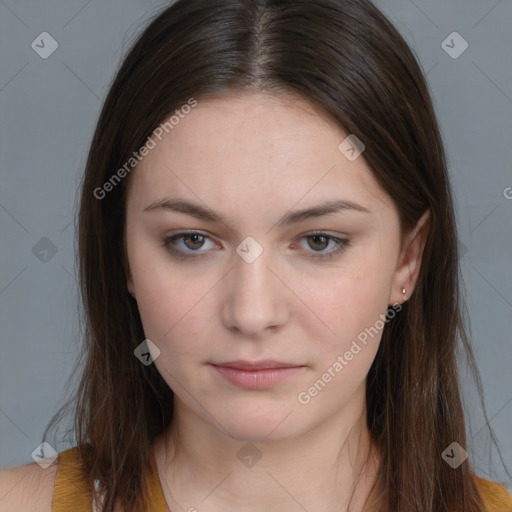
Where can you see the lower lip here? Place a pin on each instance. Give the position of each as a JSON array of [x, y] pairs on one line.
[[256, 379]]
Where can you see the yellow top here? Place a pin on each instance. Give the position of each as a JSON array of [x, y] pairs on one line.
[[72, 493]]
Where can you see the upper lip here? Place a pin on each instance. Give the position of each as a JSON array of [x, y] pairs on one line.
[[257, 365]]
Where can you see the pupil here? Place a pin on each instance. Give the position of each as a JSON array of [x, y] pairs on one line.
[[316, 237], [195, 240]]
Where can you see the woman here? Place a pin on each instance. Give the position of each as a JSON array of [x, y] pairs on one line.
[[269, 273]]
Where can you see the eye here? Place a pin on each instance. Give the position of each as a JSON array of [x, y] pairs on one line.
[[184, 245], [320, 241], [188, 243]]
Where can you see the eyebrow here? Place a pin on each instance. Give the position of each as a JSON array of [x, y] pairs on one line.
[[291, 217]]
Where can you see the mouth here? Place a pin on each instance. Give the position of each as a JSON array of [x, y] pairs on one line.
[[256, 374]]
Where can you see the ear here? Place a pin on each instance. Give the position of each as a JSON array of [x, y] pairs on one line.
[[409, 261]]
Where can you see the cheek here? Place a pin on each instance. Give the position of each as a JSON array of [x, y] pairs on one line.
[[354, 308], [353, 304], [349, 300], [171, 310], [170, 305], [167, 295]]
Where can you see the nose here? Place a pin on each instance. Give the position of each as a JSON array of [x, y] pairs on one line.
[[255, 299]]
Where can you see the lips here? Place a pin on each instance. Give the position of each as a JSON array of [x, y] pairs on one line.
[[256, 374], [257, 365]]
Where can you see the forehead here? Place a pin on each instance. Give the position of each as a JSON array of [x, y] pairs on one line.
[[253, 149]]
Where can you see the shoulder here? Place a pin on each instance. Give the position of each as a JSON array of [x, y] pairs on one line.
[[496, 498], [27, 488]]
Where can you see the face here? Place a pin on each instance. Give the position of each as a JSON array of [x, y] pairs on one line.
[[263, 316]]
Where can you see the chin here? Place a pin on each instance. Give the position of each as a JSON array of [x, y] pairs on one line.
[[250, 434], [262, 427]]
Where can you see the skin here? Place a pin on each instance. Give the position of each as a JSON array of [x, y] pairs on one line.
[[252, 158]]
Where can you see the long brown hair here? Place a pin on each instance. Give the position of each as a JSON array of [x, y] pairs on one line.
[[346, 58]]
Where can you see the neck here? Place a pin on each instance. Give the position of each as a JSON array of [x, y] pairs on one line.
[[326, 468]]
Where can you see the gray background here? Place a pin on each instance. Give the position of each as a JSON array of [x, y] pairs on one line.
[[48, 110]]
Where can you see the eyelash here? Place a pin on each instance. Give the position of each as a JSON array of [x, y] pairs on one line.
[[168, 242]]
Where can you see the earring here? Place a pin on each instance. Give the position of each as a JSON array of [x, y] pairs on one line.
[[404, 292]]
